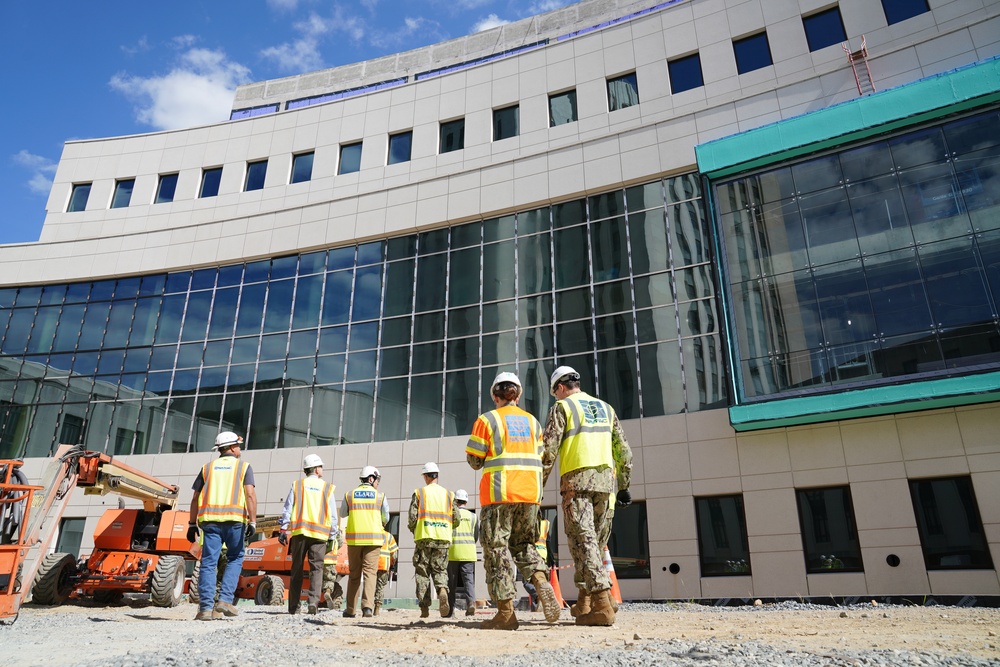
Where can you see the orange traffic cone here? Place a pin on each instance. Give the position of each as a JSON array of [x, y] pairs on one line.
[[554, 581], [616, 592]]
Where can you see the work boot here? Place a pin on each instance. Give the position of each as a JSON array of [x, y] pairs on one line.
[[349, 613], [205, 615], [313, 609], [601, 612], [293, 610], [547, 596], [425, 611], [470, 610], [378, 608], [443, 605], [504, 619], [226, 609], [366, 612], [582, 605]]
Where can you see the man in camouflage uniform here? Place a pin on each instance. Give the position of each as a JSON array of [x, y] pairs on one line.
[[584, 432], [432, 517], [333, 592], [386, 561]]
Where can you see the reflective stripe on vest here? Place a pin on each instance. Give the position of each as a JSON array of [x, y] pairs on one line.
[[434, 503], [463, 541], [312, 511], [542, 545], [364, 518], [510, 440], [586, 441], [388, 551], [223, 497]]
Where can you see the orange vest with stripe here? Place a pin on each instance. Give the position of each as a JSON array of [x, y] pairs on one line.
[[312, 508], [388, 551], [434, 515], [510, 440], [364, 517], [223, 497]]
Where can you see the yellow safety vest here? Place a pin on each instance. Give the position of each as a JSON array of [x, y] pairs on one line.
[[434, 513], [388, 551], [364, 518], [463, 543], [312, 508], [542, 545], [223, 497], [510, 440], [586, 442]]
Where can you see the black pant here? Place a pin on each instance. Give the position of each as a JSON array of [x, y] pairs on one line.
[[301, 547], [466, 572]]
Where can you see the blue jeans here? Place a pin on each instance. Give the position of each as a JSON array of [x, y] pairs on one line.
[[217, 533]]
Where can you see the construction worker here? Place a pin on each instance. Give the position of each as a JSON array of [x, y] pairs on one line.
[[225, 504], [462, 556], [542, 547], [506, 443], [367, 512], [386, 561], [585, 434], [309, 515], [432, 518], [333, 592]]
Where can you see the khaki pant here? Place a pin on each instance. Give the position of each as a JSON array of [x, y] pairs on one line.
[[363, 560]]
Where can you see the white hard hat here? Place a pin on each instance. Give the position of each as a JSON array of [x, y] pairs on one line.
[[560, 373], [506, 377], [368, 471], [429, 467], [227, 439], [312, 461], [462, 495]]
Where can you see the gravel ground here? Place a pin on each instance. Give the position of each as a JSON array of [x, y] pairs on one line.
[[681, 635]]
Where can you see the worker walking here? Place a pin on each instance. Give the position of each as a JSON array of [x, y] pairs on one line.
[[542, 547], [308, 514], [585, 434], [506, 443], [225, 504], [462, 556], [432, 518], [386, 561], [367, 512]]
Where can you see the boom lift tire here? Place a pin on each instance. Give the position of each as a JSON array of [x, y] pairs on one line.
[[167, 586], [270, 591], [53, 583], [193, 583]]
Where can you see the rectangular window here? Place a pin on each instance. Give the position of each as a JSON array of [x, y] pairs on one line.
[[78, 199], [452, 136], [350, 158], [824, 29], [123, 193], [256, 171], [623, 92], [71, 432], [722, 536], [900, 10], [210, 180], [70, 536], [302, 167], [506, 122], [685, 73], [166, 188], [562, 108], [399, 147], [752, 53], [950, 527], [829, 533], [629, 542]]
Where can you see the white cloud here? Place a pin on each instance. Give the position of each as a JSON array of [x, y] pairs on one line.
[[198, 91], [283, 5], [542, 6], [470, 4], [302, 55], [184, 41], [491, 21], [426, 28], [139, 47], [42, 171]]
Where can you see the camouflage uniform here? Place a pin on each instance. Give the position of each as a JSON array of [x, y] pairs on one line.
[[587, 500], [380, 583], [430, 557], [333, 592], [508, 532]]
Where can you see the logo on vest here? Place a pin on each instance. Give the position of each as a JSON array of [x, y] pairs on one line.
[[518, 428], [594, 412], [364, 495]]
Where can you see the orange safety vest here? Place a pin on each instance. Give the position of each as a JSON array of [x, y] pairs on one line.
[[388, 551], [223, 497], [510, 440], [312, 508], [364, 518], [434, 513]]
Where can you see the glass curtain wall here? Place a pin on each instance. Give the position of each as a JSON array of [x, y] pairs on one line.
[[388, 340]]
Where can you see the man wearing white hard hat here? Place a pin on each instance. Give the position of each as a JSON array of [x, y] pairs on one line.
[[367, 512], [462, 556], [432, 517], [506, 444], [594, 460], [309, 517]]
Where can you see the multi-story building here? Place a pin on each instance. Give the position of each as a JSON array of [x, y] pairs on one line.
[[767, 232]]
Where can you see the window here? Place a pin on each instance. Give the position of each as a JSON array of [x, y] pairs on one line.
[[506, 122], [829, 533], [629, 542], [78, 199], [256, 171], [71, 432], [70, 536], [685, 74], [452, 136], [752, 52], [562, 108], [302, 167], [350, 158], [722, 536], [900, 10], [166, 188], [950, 527], [623, 92], [399, 147], [210, 180], [824, 29], [123, 193]]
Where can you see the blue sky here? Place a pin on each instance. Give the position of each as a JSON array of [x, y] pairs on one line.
[[80, 70]]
